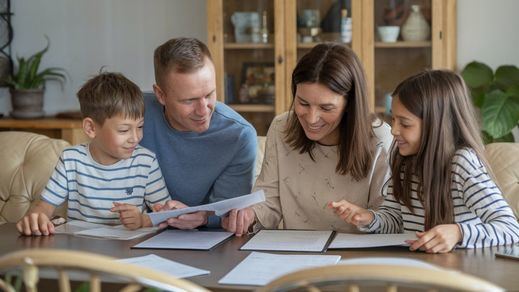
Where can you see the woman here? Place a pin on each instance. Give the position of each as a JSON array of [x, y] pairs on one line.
[[323, 150]]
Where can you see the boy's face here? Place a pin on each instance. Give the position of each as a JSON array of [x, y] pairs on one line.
[[406, 128], [189, 98], [116, 139]]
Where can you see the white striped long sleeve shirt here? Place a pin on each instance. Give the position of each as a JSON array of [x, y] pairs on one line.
[[91, 188], [480, 210]]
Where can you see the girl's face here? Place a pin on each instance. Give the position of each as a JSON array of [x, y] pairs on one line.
[[406, 128], [319, 110]]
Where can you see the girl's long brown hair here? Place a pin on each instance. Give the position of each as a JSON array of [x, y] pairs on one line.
[[441, 100], [338, 68]]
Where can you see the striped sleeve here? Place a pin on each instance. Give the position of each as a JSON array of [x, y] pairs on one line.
[[156, 191], [498, 225], [56, 190], [388, 218]]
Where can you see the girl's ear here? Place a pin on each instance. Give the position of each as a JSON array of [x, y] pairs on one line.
[[161, 97], [89, 127]]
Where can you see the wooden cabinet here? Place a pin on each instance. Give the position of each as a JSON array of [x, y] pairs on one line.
[[256, 44], [70, 130]]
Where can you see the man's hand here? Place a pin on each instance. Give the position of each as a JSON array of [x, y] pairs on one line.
[[351, 213], [131, 217], [239, 221], [35, 224], [186, 221], [439, 239]]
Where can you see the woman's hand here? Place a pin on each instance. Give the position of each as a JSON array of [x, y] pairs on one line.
[[239, 221], [439, 239], [351, 213]]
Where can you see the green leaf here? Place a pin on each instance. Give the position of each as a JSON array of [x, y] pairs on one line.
[[500, 113], [507, 76], [477, 75], [478, 96]]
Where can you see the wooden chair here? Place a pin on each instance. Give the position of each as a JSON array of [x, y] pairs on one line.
[[377, 278], [97, 267]]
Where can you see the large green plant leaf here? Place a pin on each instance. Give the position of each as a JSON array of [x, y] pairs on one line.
[[500, 112], [477, 75], [506, 77]]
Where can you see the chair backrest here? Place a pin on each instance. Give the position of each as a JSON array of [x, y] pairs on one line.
[[133, 277], [28, 160], [504, 161], [375, 277]]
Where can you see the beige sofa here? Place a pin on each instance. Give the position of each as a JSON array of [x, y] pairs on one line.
[[28, 160]]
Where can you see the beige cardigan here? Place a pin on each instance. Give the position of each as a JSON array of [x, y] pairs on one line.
[[298, 189]]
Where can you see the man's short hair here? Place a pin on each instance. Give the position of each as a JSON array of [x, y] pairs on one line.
[[109, 94], [184, 55]]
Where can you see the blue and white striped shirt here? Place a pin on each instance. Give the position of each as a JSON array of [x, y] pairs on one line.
[[91, 188], [480, 210]]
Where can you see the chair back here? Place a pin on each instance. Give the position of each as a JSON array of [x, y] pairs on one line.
[[66, 263], [378, 278]]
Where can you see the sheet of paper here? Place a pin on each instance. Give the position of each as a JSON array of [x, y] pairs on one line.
[[75, 226], [166, 266], [288, 240], [260, 268], [219, 208], [185, 239], [116, 232], [347, 240], [405, 262]]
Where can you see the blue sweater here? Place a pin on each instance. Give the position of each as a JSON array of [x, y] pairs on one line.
[[202, 167]]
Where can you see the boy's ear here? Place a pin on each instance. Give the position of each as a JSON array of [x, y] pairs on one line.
[[161, 97], [89, 127]]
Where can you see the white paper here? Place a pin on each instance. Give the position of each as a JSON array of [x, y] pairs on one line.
[[219, 208], [404, 262], [119, 232], [260, 268], [185, 239], [288, 240], [347, 240], [164, 265], [75, 226]]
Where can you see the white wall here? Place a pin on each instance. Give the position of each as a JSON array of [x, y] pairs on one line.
[[88, 34]]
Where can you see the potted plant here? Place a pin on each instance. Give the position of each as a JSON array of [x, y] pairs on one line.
[[27, 84], [496, 94]]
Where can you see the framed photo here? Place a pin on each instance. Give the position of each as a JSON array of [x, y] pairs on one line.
[[257, 82]]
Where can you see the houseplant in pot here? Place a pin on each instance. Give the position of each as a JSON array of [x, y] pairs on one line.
[[496, 94], [27, 84]]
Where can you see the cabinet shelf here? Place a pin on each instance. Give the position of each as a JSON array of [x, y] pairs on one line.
[[247, 46], [253, 108], [404, 44]]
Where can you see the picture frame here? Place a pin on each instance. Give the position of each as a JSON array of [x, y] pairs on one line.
[[257, 84]]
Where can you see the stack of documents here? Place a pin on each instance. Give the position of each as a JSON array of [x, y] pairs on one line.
[[289, 240], [185, 239], [119, 232], [260, 268], [164, 265], [347, 240]]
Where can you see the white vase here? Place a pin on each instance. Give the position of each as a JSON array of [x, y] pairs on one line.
[[416, 27]]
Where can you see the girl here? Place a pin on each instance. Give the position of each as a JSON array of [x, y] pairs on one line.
[[444, 191]]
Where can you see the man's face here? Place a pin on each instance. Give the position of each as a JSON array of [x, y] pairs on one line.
[[189, 98]]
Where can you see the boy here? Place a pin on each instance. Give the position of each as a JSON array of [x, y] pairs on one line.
[[111, 179]]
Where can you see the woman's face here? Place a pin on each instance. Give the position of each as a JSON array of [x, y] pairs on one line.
[[319, 111]]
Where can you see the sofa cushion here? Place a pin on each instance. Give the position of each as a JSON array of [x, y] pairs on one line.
[[504, 161], [28, 160]]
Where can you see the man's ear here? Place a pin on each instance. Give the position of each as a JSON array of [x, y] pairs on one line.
[[161, 97], [89, 127]]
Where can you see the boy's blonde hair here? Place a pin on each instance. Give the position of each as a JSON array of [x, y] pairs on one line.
[[109, 94]]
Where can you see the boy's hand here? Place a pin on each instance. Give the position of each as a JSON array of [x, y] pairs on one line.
[[239, 221], [131, 217], [35, 224], [439, 239], [351, 213], [186, 221]]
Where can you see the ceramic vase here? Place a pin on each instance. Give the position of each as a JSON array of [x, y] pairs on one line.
[[416, 27]]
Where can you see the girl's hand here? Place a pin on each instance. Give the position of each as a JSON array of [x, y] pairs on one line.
[[439, 239], [351, 213], [130, 216]]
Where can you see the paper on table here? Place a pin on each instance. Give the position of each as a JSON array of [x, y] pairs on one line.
[[288, 240], [389, 261], [75, 226], [347, 240], [116, 232], [260, 268], [220, 208], [185, 239], [164, 265]]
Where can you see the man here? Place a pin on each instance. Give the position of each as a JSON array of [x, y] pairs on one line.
[[205, 149]]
